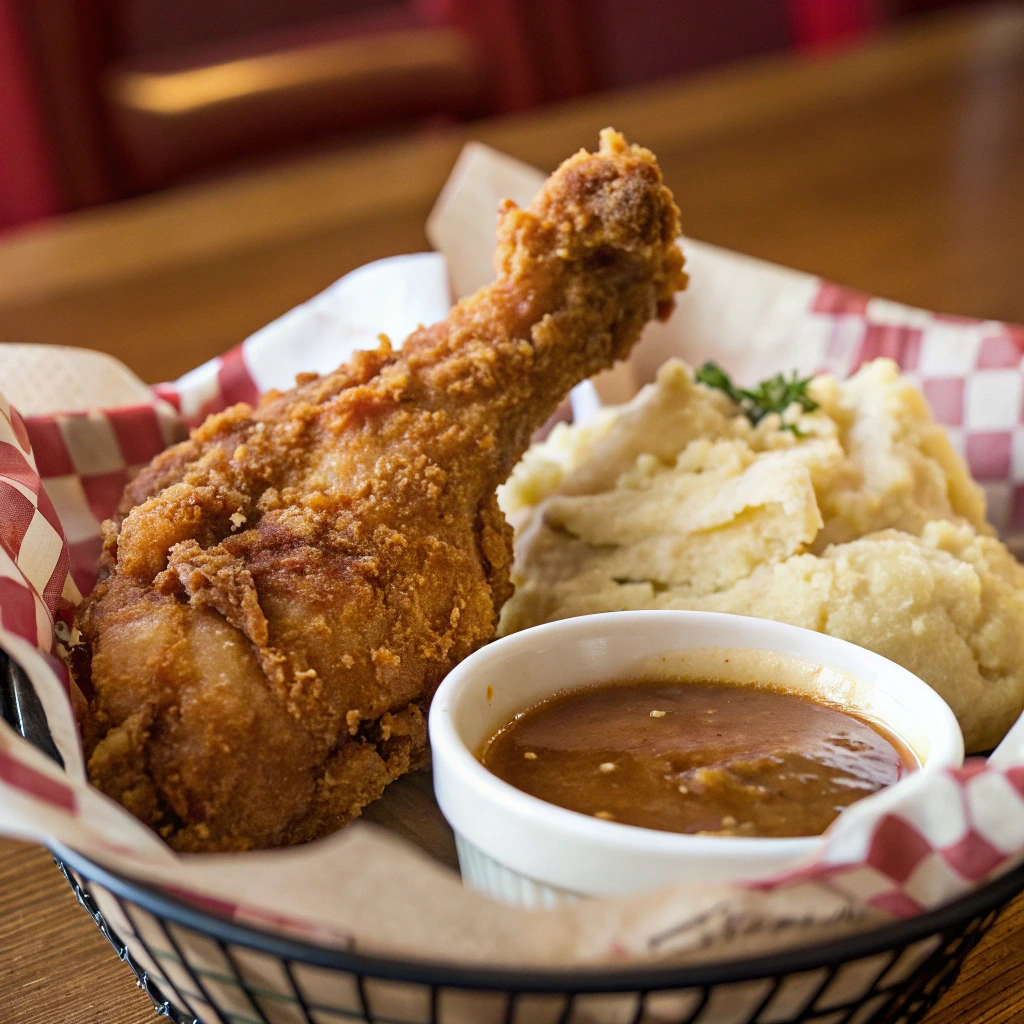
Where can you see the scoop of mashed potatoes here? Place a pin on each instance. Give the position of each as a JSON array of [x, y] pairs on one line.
[[862, 522]]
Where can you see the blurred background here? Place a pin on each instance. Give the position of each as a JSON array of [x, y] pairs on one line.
[[105, 99], [174, 174]]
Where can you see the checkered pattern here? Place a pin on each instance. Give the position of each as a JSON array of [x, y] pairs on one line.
[[932, 842], [35, 585], [969, 370], [213, 387], [85, 460], [911, 848]]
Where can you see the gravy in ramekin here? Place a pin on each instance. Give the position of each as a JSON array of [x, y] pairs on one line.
[[698, 756]]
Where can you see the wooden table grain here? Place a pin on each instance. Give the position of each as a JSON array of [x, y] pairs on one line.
[[897, 168]]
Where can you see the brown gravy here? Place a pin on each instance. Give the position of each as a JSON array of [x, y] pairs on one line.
[[697, 756]]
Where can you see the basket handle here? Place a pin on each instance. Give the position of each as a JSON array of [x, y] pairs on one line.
[[21, 708]]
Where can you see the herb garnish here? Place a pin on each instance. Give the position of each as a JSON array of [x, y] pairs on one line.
[[776, 394]]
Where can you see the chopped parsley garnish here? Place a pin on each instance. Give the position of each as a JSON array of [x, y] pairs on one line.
[[776, 394]]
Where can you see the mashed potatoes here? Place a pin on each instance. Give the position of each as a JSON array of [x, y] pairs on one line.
[[863, 524]]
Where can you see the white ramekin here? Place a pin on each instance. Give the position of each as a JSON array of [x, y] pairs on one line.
[[527, 851]]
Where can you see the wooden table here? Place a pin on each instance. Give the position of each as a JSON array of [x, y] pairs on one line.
[[897, 168]]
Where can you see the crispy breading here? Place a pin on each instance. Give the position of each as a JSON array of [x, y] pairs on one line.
[[283, 592]]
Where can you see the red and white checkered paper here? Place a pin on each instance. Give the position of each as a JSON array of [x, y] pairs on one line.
[[912, 847]]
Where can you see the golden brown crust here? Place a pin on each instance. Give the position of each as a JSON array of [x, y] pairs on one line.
[[284, 591]]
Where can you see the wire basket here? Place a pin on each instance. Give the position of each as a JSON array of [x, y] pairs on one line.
[[199, 968]]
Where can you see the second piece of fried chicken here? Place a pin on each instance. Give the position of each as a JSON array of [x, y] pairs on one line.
[[284, 591]]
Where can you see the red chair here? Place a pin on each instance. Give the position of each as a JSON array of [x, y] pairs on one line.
[[822, 24], [28, 186]]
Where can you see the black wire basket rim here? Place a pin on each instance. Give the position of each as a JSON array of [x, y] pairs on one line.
[[604, 978]]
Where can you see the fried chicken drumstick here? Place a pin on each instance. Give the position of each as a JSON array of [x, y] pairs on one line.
[[282, 593]]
